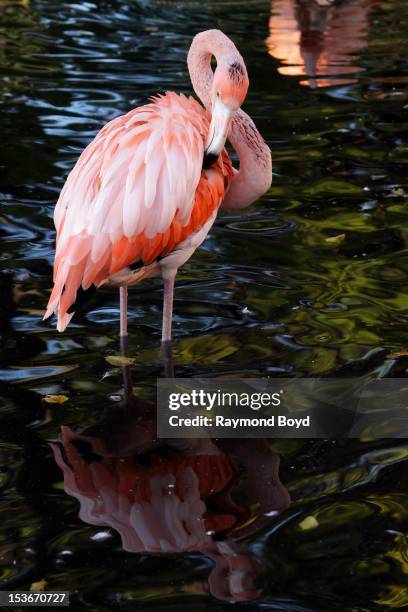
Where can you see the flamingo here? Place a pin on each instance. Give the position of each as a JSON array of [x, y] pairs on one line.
[[145, 192]]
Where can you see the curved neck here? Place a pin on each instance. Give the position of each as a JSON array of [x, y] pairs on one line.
[[254, 176], [212, 43]]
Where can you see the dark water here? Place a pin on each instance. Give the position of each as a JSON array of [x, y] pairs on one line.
[[267, 294]]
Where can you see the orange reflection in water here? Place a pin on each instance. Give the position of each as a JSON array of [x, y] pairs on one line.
[[319, 39], [170, 500]]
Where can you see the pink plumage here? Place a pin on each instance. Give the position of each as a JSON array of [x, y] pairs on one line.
[[139, 192], [131, 195]]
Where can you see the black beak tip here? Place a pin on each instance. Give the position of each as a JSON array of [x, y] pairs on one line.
[[209, 159]]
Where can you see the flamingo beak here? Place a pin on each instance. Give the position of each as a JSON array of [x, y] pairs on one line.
[[219, 128]]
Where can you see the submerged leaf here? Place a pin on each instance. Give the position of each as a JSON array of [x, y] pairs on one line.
[[310, 522], [120, 360], [335, 239], [55, 399], [39, 586], [397, 354]]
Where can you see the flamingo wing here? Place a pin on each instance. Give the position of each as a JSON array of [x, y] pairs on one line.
[[136, 191]]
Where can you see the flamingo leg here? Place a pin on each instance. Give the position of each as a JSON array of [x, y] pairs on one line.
[[123, 299], [168, 308], [168, 362], [127, 381]]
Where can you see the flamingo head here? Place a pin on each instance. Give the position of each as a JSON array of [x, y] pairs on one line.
[[229, 89]]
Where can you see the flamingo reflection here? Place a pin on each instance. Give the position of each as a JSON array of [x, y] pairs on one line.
[[319, 39], [174, 496]]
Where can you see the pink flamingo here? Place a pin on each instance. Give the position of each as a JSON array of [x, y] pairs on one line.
[[145, 192]]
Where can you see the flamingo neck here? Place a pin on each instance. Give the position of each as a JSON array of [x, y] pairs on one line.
[[208, 44], [254, 176]]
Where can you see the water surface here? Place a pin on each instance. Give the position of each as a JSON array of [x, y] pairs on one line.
[[310, 281]]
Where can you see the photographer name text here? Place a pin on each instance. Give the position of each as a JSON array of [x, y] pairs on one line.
[[234, 423]]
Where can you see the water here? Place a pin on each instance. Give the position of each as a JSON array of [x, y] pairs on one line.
[[267, 294]]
